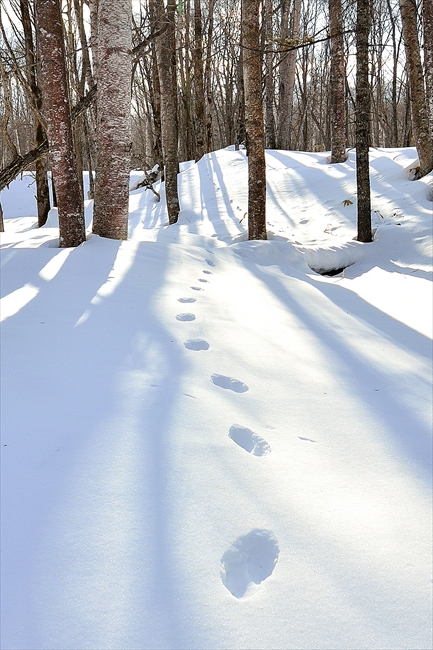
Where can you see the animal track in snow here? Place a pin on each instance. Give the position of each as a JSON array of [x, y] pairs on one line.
[[306, 439], [248, 562], [185, 317], [187, 299], [210, 263], [228, 382], [196, 344], [207, 272], [197, 288], [248, 440], [203, 280]]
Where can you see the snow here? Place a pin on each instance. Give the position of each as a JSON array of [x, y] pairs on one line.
[[207, 444]]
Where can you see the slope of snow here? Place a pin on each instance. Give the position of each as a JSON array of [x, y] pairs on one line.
[[206, 444]]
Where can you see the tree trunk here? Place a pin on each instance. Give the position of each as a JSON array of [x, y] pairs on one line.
[[42, 188], [254, 119], [427, 16], [337, 83], [420, 122], [168, 114], [208, 80], [269, 77], [363, 24], [113, 130], [59, 125], [198, 82], [287, 72]]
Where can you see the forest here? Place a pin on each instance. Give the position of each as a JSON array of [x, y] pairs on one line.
[[178, 80], [216, 320]]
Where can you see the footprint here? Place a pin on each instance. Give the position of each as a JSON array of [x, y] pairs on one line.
[[228, 382], [185, 317], [202, 280], [249, 440], [210, 263], [248, 562], [196, 344], [207, 272], [187, 299], [197, 288], [306, 439]]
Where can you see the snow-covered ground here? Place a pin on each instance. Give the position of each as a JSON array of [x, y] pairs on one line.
[[205, 443]]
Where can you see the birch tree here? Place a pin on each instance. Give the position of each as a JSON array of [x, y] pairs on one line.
[[113, 128]]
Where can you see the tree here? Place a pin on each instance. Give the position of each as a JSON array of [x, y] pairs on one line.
[[427, 15], [57, 114], [287, 70], [363, 25], [269, 76], [113, 129], [337, 83], [420, 121], [198, 81], [42, 189], [254, 119], [165, 47]]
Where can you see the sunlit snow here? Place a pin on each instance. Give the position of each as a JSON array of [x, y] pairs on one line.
[[206, 443]]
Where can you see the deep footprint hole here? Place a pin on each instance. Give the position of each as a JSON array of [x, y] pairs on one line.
[[249, 561]]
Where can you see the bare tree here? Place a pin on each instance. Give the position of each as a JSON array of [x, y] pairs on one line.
[[337, 83], [110, 217], [427, 15], [254, 119], [423, 140], [59, 125], [269, 76], [167, 80], [363, 25]]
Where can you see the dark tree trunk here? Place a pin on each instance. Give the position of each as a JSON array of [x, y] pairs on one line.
[[427, 16], [363, 24], [42, 188], [269, 77], [59, 125], [209, 98], [113, 131], [420, 121], [198, 82], [168, 112], [337, 83], [254, 119]]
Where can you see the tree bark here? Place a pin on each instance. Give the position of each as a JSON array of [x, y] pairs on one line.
[[337, 83], [287, 72], [269, 77], [427, 16], [254, 119], [198, 82], [59, 125], [420, 122], [113, 126], [363, 25], [42, 188], [168, 114]]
